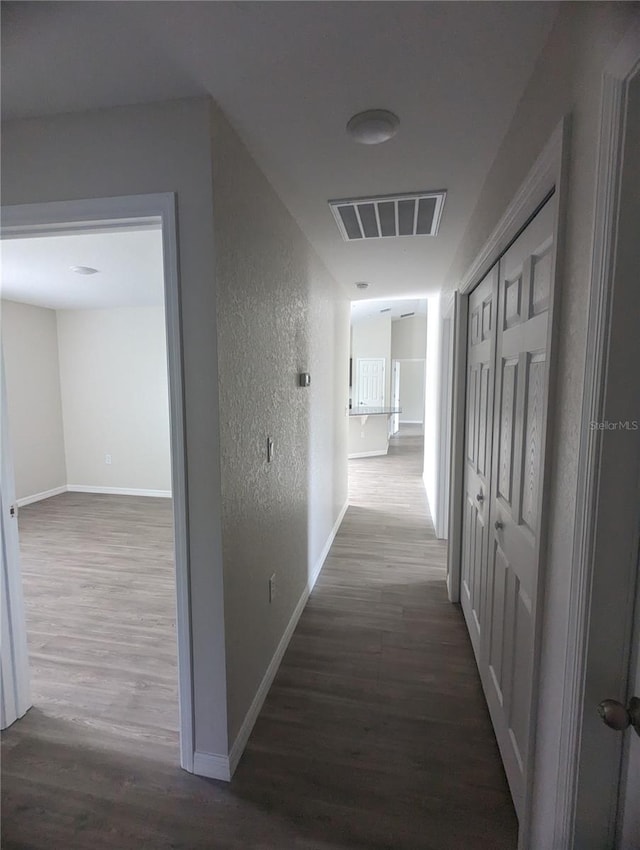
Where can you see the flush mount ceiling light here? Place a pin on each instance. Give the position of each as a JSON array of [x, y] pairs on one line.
[[84, 270], [362, 284], [373, 126]]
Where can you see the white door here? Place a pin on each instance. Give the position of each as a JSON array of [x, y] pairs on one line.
[[520, 408], [370, 382], [14, 659], [481, 342], [394, 421], [629, 805], [605, 818], [506, 405]]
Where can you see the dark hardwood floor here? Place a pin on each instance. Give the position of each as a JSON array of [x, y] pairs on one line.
[[374, 734]]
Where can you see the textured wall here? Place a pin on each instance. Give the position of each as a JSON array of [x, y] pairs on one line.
[[161, 147], [30, 350], [279, 312], [567, 79], [115, 398]]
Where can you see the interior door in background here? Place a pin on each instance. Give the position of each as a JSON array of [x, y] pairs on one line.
[[370, 382], [481, 343], [394, 421], [520, 412], [15, 698]]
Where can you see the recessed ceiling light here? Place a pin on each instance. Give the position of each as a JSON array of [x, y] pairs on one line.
[[84, 270], [362, 284], [373, 126]]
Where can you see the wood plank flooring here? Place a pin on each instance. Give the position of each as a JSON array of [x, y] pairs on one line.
[[374, 735], [99, 588]]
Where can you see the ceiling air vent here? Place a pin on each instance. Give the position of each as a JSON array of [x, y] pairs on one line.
[[415, 214]]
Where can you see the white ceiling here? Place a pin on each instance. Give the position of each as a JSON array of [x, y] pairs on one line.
[[365, 309], [37, 270], [289, 76]]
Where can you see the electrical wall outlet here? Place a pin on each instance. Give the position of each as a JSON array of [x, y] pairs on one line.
[[107, 460], [272, 588]]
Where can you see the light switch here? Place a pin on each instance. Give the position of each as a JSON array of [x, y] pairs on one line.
[[269, 449]]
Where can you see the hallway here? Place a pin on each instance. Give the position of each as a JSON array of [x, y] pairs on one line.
[[374, 735], [375, 732]]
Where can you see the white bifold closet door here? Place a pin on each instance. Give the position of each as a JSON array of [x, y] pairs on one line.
[[507, 392], [481, 356]]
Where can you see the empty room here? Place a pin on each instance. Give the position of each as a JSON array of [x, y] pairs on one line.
[[84, 353]]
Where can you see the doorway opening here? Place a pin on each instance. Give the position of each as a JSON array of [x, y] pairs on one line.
[[93, 490], [387, 374]]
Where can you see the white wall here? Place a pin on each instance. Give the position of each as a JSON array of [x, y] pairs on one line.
[[412, 389], [30, 350], [161, 147], [432, 404], [370, 437], [567, 80], [280, 312], [371, 337], [113, 378], [409, 338]]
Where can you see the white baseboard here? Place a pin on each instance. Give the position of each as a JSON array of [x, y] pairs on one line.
[[327, 547], [254, 709], [118, 491], [38, 497], [377, 453], [211, 766]]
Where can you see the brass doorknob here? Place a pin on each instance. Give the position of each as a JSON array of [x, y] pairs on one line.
[[616, 716]]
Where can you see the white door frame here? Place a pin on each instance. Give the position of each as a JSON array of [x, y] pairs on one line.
[[394, 420], [549, 174], [445, 423], [15, 697], [58, 216], [586, 780]]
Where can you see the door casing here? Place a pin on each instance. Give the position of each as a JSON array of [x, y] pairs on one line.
[[602, 578], [58, 216], [548, 175]]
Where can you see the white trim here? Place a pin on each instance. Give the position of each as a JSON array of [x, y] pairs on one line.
[[535, 188], [621, 68], [267, 680], [547, 174], [117, 491], [447, 318], [34, 219], [38, 497], [377, 453], [322, 557], [211, 766], [458, 400], [15, 691], [412, 421]]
